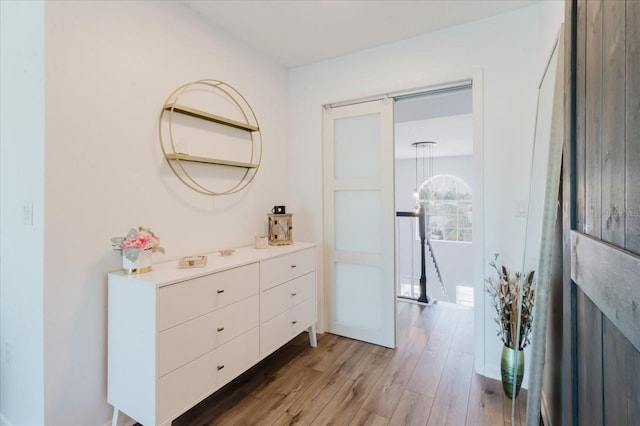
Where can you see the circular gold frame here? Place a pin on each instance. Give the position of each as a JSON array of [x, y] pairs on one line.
[[247, 113]]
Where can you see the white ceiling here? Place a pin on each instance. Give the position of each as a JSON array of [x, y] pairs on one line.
[[300, 32], [453, 136]]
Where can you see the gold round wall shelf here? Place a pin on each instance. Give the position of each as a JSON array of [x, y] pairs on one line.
[[239, 136]]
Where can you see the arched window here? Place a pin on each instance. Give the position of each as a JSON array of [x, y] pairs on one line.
[[448, 205]]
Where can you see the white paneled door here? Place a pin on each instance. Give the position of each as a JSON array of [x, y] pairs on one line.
[[359, 221]]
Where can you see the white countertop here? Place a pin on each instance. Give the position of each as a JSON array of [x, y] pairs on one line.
[[166, 273]]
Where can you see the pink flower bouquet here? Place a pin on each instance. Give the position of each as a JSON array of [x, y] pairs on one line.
[[137, 240]]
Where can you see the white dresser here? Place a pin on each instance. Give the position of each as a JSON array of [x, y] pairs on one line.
[[177, 335]]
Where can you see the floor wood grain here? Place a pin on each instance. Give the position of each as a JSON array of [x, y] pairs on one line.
[[427, 380]]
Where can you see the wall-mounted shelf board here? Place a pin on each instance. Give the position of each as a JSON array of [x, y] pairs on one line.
[[206, 160], [193, 112], [180, 163]]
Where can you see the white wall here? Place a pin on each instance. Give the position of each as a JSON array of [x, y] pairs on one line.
[[21, 181], [455, 261], [109, 68], [508, 50]]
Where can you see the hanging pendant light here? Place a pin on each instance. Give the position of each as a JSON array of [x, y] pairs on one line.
[[424, 152]]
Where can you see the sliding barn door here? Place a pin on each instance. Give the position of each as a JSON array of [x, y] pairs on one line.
[[359, 221], [602, 225]]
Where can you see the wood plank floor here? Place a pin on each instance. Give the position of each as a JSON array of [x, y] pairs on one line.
[[427, 380]]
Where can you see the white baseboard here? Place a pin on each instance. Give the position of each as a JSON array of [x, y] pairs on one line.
[[493, 372], [124, 419], [127, 422]]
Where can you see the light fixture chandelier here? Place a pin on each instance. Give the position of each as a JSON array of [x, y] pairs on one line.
[[424, 152]]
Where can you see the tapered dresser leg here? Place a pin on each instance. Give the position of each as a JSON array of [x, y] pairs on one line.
[[116, 414], [312, 336]]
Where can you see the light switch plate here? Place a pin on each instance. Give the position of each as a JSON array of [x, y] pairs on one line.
[[27, 213], [521, 208]]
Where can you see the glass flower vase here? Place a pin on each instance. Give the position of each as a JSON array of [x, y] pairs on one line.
[[512, 370], [140, 265]]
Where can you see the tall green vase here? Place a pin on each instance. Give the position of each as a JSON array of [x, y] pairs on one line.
[[512, 370]]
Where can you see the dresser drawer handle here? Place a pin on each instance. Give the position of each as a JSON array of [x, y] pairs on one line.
[[294, 266], [293, 294], [220, 367], [220, 291], [220, 328], [294, 322]]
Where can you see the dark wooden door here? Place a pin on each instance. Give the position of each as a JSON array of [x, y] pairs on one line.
[[601, 212]]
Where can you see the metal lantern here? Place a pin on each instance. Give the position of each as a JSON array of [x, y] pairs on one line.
[[280, 229]]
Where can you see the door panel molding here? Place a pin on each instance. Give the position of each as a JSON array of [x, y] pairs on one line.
[[359, 281], [609, 276]]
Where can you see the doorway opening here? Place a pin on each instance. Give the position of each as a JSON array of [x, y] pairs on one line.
[[434, 178], [360, 159]]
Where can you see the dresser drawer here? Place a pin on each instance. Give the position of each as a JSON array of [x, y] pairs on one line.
[[184, 387], [180, 389], [285, 296], [237, 356], [287, 267], [191, 334], [190, 299], [187, 341], [287, 325]]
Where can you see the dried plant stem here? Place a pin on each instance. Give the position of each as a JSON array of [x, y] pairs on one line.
[[505, 292]]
